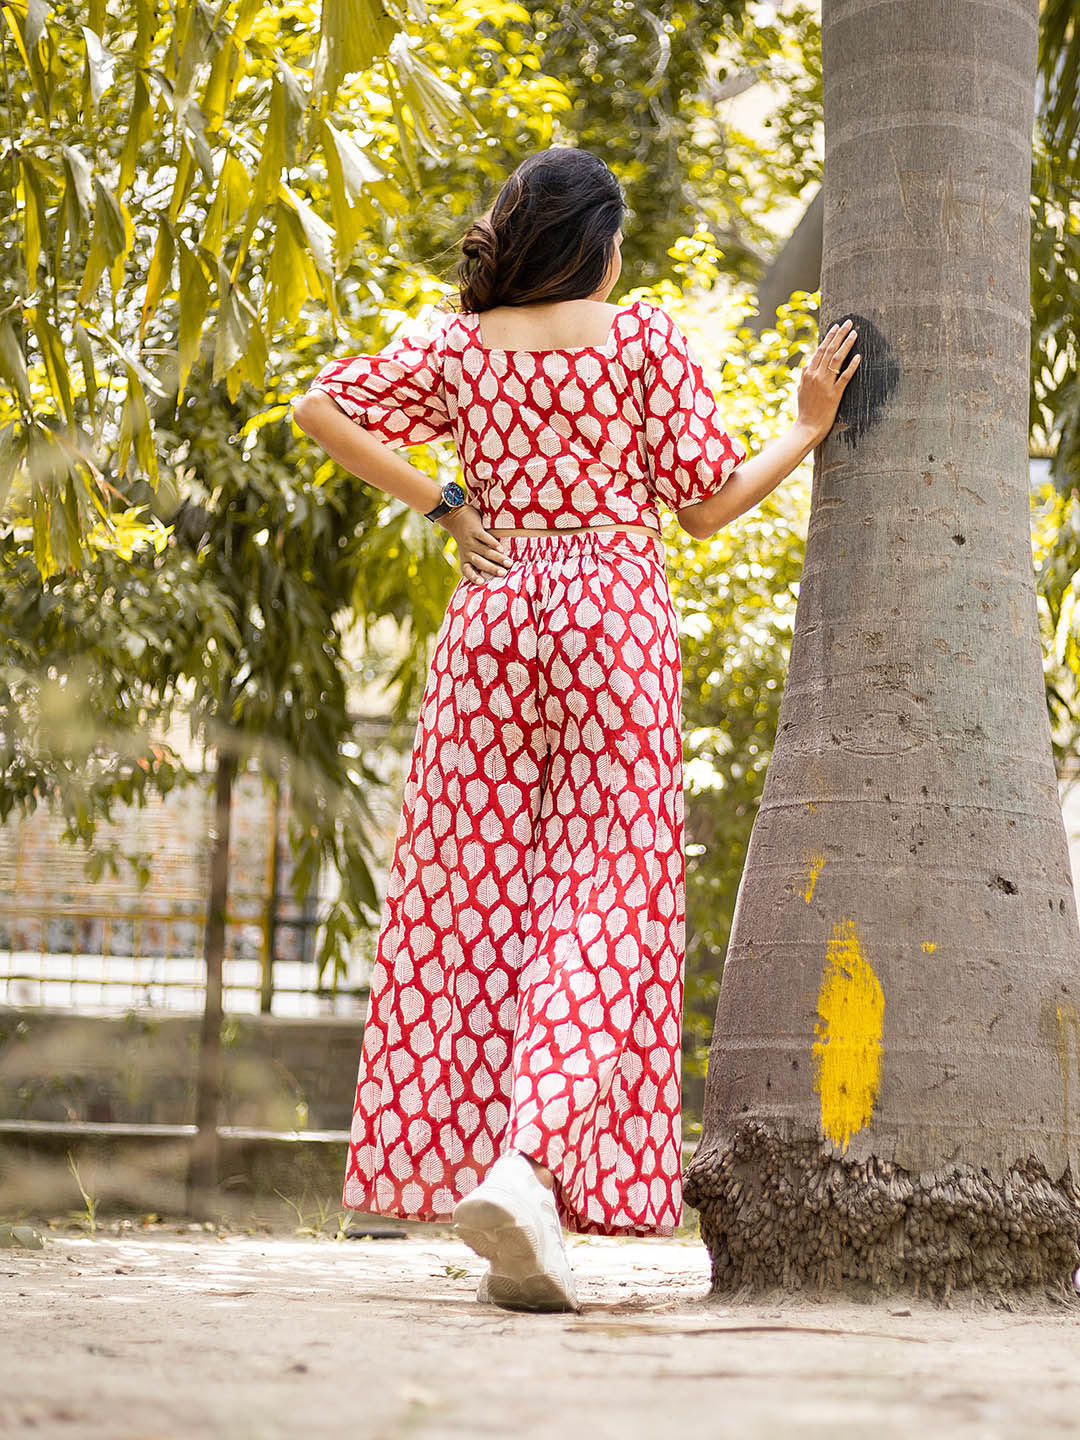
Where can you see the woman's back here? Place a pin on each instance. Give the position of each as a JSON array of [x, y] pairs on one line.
[[558, 325], [551, 436]]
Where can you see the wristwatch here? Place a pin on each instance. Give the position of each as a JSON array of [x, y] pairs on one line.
[[453, 497]]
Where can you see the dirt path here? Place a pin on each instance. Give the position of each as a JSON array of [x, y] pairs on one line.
[[180, 1335]]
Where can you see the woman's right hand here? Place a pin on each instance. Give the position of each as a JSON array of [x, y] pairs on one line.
[[480, 553], [824, 379]]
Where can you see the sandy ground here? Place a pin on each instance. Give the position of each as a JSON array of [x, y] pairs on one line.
[[181, 1333]]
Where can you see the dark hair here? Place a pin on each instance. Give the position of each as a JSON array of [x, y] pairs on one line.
[[549, 235]]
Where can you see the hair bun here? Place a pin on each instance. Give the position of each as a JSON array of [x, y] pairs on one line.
[[480, 247], [480, 239]]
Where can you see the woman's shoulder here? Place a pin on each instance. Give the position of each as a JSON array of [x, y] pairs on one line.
[[655, 315], [658, 329]]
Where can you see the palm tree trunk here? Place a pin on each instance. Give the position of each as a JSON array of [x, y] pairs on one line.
[[893, 1089]]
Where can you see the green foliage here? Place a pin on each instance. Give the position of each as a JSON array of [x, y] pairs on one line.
[[275, 552], [1055, 275], [648, 86], [1055, 306], [169, 172], [736, 594], [1056, 537], [79, 701], [236, 622]]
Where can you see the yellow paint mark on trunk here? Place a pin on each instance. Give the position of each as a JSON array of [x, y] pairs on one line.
[[847, 1052], [929, 946], [815, 864]]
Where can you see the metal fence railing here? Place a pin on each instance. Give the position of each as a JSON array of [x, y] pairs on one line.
[[111, 943]]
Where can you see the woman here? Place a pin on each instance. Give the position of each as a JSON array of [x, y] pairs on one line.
[[520, 1065]]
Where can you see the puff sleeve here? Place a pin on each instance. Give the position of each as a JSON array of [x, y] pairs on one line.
[[397, 393], [690, 453]]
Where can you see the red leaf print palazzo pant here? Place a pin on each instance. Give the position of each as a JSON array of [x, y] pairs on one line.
[[528, 984]]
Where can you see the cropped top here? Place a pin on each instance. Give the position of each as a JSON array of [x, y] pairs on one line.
[[550, 439]]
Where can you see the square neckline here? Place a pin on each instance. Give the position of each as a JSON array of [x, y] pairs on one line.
[[603, 349]]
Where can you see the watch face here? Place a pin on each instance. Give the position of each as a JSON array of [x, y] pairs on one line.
[[453, 493]]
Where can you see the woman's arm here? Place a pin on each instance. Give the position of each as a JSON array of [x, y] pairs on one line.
[[363, 454], [821, 385], [750, 482]]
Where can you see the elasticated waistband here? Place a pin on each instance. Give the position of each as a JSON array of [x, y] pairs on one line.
[[571, 541]]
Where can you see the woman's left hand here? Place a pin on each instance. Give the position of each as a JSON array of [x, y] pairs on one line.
[[480, 553], [824, 379]]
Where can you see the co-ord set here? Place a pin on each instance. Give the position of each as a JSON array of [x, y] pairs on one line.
[[527, 987]]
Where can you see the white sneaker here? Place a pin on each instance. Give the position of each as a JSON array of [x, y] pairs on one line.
[[511, 1219]]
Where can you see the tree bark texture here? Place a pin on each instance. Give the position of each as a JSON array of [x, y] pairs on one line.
[[203, 1166], [893, 1089]]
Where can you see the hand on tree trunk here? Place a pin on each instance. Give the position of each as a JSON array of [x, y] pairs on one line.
[[825, 377]]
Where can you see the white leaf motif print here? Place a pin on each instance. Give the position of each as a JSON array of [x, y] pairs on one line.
[[572, 397], [556, 367]]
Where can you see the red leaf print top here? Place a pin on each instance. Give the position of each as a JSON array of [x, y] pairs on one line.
[[551, 439]]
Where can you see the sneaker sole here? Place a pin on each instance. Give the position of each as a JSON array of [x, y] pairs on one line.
[[541, 1292], [514, 1250]]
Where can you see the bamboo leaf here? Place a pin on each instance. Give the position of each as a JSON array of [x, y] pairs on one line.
[[89, 369], [185, 173], [195, 125], [41, 520], [101, 62], [159, 276], [199, 41], [113, 238], [16, 34], [130, 361], [280, 135], [144, 32], [52, 352], [194, 303], [349, 218], [286, 283], [227, 69], [12, 453], [358, 169], [36, 224], [232, 327], [435, 106], [140, 128], [353, 33], [252, 367], [80, 181], [229, 204], [294, 103], [319, 236], [136, 430], [37, 13], [408, 152], [13, 364], [69, 512]]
